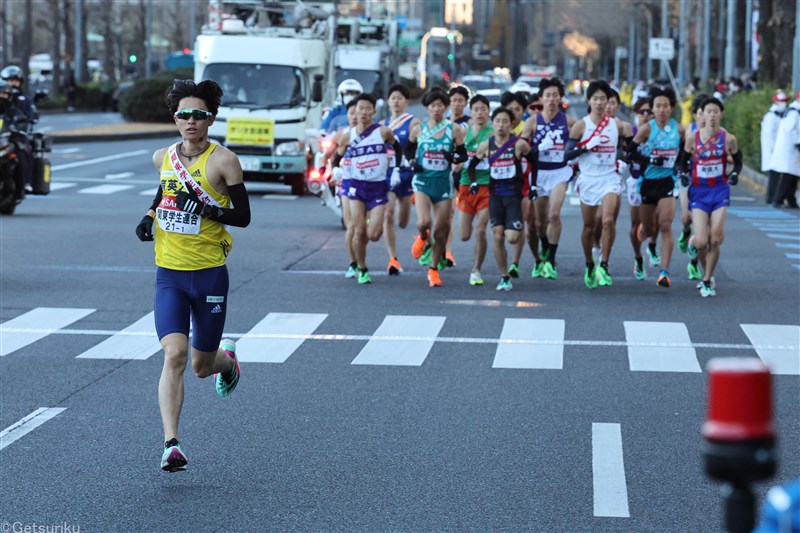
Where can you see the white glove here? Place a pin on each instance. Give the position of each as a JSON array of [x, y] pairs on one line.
[[336, 175], [623, 169], [546, 143], [394, 180], [594, 141]]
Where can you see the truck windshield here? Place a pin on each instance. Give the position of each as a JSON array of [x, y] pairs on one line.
[[258, 86], [369, 79]]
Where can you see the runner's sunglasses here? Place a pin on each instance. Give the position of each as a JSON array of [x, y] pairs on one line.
[[197, 114]]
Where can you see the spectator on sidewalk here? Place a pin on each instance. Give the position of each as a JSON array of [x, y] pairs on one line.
[[786, 156], [769, 132], [70, 88]]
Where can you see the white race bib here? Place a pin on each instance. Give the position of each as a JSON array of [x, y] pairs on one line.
[[171, 218]]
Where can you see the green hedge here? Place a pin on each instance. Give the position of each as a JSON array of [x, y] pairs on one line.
[[144, 102], [743, 114]]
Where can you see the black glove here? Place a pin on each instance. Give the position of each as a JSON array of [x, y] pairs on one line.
[[685, 179], [473, 187], [145, 229], [533, 194], [448, 156], [417, 167], [733, 178], [797, 146], [658, 161], [190, 203]]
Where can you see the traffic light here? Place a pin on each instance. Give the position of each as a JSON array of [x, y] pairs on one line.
[[132, 58], [186, 51], [450, 36], [450, 57]]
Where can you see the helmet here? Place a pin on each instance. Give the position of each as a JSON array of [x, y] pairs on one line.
[[780, 97], [349, 86], [12, 72]]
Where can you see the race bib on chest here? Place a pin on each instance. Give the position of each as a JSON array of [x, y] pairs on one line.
[[171, 218], [553, 155], [709, 170], [434, 161], [504, 169], [669, 155]]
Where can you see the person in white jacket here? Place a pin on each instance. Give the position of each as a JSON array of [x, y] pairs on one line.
[[786, 155], [769, 131]]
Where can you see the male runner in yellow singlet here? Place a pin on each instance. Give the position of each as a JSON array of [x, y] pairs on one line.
[[202, 190]]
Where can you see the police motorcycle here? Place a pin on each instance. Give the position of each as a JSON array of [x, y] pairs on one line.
[[22, 150], [323, 181]]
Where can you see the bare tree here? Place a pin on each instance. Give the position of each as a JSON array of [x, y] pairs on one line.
[[107, 18], [27, 37], [776, 29]]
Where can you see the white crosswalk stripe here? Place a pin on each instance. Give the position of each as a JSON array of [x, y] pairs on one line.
[[35, 325], [408, 340], [105, 189]]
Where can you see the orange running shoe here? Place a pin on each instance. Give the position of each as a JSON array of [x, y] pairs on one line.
[[433, 278], [451, 261], [419, 246], [394, 267]]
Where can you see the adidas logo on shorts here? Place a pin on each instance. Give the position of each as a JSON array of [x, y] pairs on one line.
[[216, 309]]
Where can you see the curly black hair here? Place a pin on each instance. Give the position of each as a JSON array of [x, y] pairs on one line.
[[208, 91]]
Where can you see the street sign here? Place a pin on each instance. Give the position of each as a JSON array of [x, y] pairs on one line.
[[621, 52], [661, 49]]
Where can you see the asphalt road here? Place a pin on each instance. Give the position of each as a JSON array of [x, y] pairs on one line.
[[380, 407]]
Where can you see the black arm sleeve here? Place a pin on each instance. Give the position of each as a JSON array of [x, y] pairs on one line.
[[411, 150], [633, 155], [572, 150], [471, 168], [156, 200], [337, 158], [239, 214], [398, 153], [460, 155], [533, 155], [683, 157], [737, 162], [533, 162], [621, 145]]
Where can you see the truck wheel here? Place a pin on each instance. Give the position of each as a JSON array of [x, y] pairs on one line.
[[298, 183]]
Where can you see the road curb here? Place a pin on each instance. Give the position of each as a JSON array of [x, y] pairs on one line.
[[95, 137], [756, 180]]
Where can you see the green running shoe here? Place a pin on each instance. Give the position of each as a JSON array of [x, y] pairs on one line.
[[513, 270], [653, 258], [683, 242], [364, 277], [425, 258], [226, 383], [603, 277], [694, 271], [504, 285], [537, 270], [639, 272], [173, 459], [442, 264], [707, 290], [691, 251], [352, 272], [589, 278], [549, 271], [475, 278]]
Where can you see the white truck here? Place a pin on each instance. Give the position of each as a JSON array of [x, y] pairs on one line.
[[275, 64]]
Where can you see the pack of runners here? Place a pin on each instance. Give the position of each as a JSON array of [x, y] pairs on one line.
[[511, 171]]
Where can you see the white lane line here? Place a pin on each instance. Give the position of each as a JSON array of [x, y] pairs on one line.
[[788, 245], [105, 189], [778, 361], [149, 192], [57, 186], [550, 354], [120, 176], [674, 355], [21, 428], [261, 345], [122, 346], [120, 157], [793, 256], [608, 471], [401, 352], [743, 198], [27, 328], [278, 197], [67, 150], [783, 236]]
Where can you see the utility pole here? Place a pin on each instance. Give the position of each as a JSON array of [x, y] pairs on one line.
[[148, 33], [704, 73], [730, 48], [748, 35], [631, 50], [664, 35], [76, 65], [796, 61], [192, 23], [684, 43], [649, 62]]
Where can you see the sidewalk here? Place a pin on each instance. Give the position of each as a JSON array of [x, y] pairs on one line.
[[115, 132]]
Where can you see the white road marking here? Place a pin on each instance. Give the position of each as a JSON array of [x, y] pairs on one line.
[[28, 327], [121, 175], [608, 471], [57, 186], [262, 344], [149, 192], [389, 347], [783, 236], [21, 428], [122, 346], [674, 353], [67, 150], [778, 361], [787, 245], [550, 354], [119, 157], [105, 189], [278, 197]]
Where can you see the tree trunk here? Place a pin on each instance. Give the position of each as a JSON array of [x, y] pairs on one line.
[[55, 86], [84, 44], [107, 8], [27, 37]]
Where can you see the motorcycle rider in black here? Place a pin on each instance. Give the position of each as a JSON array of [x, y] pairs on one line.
[[26, 113]]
